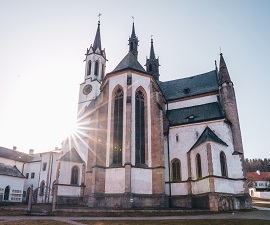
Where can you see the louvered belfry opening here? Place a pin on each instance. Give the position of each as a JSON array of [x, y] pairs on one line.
[[118, 127], [139, 128]]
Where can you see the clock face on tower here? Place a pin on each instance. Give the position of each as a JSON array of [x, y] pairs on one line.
[[87, 89]]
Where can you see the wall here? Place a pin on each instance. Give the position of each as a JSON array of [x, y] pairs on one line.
[[192, 102], [141, 182], [258, 194], [16, 187], [115, 180]]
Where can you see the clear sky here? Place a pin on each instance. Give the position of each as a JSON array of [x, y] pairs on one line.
[[42, 47]]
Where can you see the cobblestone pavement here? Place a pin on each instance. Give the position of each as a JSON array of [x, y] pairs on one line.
[[256, 214]]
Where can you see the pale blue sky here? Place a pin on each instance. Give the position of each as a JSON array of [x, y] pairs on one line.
[[42, 47]]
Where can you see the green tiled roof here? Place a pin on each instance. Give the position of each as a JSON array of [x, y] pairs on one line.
[[193, 114], [208, 135], [190, 86], [129, 62], [72, 156]]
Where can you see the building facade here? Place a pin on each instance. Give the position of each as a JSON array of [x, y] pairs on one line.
[[148, 143], [145, 143]]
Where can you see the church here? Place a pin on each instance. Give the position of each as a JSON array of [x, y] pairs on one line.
[[141, 142], [147, 143]]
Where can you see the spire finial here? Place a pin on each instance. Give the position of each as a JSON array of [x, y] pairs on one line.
[[99, 18], [152, 38], [133, 18]]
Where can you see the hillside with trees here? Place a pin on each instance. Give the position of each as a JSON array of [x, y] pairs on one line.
[[252, 165]]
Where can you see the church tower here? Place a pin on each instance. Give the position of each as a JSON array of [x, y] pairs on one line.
[[95, 64], [228, 102], [152, 64], [133, 43]]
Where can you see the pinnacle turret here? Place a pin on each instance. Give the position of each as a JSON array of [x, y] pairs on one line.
[[152, 64], [133, 43]]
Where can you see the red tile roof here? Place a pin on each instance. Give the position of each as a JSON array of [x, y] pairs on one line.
[[262, 176]]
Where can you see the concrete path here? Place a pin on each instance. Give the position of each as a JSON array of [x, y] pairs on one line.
[[258, 214]]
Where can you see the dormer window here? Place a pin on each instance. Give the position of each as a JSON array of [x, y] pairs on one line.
[[191, 118], [186, 90]]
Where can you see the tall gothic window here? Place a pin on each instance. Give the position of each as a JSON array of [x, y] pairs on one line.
[[89, 67], [139, 128], [223, 164], [96, 68], [118, 127], [199, 166], [6, 193], [74, 175], [176, 170]]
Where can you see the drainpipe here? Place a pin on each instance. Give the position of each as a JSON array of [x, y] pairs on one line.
[[169, 164]]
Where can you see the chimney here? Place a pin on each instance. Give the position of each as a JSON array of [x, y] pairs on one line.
[[258, 172], [31, 151], [14, 148]]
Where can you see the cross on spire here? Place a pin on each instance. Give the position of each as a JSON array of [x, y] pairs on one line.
[[99, 17]]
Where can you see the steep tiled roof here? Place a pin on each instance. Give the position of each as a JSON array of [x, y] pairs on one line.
[[193, 114], [190, 86], [261, 176], [129, 62], [14, 155], [72, 156], [208, 135], [10, 171]]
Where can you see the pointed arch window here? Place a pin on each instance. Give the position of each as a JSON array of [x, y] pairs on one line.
[[139, 128], [223, 164], [118, 127], [42, 187], [199, 166], [176, 170], [89, 67], [96, 68], [74, 175], [6, 193]]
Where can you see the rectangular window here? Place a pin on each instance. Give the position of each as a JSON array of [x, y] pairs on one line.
[[32, 175], [27, 175], [44, 166]]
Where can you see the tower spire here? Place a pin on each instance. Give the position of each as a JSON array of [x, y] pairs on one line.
[[133, 42], [152, 64], [224, 76], [228, 102], [97, 41]]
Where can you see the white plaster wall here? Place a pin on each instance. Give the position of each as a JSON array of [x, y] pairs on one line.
[[69, 190], [192, 102], [179, 189], [229, 186], [201, 186], [65, 172], [115, 180], [141, 181], [11, 162], [258, 194], [187, 138], [33, 167], [166, 164], [16, 187], [204, 162]]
